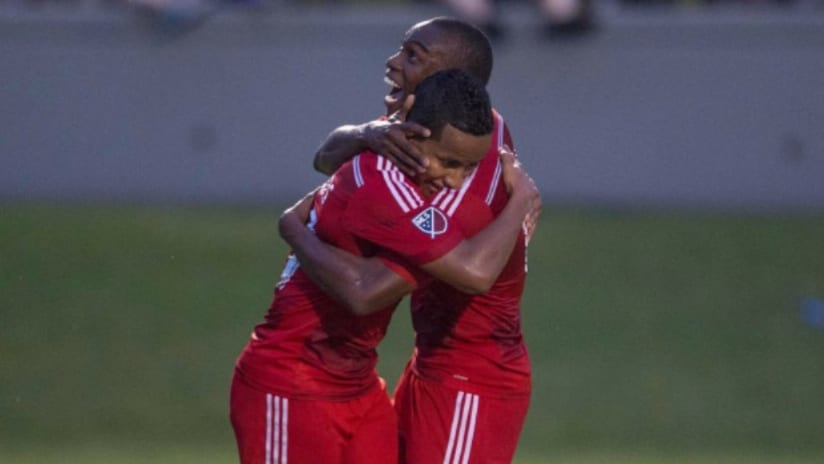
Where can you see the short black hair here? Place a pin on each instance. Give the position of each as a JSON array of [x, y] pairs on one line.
[[452, 97], [472, 47]]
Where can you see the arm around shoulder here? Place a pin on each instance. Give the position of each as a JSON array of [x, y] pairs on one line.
[[340, 145], [363, 285]]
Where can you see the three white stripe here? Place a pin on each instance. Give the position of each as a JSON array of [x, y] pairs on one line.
[[407, 198], [405, 195], [463, 429], [277, 421]]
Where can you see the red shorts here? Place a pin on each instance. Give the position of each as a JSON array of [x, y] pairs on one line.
[[439, 425], [274, 429]]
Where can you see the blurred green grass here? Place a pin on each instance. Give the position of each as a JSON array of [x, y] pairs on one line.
[[130, 453], [675, 334]]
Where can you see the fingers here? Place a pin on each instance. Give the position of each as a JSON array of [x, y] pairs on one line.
[[412, 129], [508, 156], [531, 222], [513, 174], [521, 186], [302, 208], [404, 154]]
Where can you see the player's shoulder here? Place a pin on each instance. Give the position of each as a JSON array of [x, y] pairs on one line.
[[383, 183], [501, 133], [498, 120], [362, 168]]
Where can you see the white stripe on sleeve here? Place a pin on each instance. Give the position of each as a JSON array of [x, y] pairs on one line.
[[357, 170]]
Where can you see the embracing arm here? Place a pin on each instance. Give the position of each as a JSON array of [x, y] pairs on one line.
[[473, 265], [386, 137], [367, 284], [364, 285], [340, 145]]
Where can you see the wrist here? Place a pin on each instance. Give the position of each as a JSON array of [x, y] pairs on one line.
[[361, 135]]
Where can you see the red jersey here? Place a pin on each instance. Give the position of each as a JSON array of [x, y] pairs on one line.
[[474, 342], [310, 346]]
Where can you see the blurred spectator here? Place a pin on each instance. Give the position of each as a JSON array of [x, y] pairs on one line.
[[713, 2], [561, 18]]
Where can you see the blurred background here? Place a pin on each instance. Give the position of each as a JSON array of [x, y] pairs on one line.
[[675, 304]]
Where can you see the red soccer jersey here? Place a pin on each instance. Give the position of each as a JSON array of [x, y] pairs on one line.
[[310, 346], [474, 343], [471, 342]]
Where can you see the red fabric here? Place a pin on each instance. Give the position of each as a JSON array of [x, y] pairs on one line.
[[439, 424], [272, 429], [386, 208], [309, 348], [475, 343]]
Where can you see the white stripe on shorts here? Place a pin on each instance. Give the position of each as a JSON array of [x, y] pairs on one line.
[[462, 432], [277, 421]]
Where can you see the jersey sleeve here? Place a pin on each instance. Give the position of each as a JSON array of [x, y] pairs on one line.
[[389, 213], [508, 137], [402, 267]]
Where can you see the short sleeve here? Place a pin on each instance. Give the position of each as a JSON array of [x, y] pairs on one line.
[[415, 230], [402, 267]]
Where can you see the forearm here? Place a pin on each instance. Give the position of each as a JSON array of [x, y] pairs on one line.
[[340, 145], [364, 285], [475, 264]]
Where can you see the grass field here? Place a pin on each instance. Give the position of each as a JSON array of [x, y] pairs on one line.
[[654, 337], [144, 454]]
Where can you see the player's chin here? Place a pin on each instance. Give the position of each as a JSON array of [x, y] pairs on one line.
[[392, 102]]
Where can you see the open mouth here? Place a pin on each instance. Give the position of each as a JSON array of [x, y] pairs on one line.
[[395, 94]]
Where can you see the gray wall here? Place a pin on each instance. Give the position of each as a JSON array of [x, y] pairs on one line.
[[659, 108]]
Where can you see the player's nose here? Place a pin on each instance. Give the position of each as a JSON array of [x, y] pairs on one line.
[[391, 61]]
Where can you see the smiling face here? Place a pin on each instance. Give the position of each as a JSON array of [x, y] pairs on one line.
[[424, 51], [452, 157]]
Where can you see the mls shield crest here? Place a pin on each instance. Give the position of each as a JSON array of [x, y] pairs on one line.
[[431, 221]]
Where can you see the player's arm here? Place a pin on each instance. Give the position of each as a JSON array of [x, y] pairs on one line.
[[386, 137], [474, 264], [368, 284], [532, 219], [364, 285]]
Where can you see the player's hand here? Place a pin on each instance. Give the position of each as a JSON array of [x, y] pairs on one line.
[[390, 139], [521, 188], [531, 222], [294, 218]]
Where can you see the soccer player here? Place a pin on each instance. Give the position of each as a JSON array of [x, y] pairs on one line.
[[465, 393], [305, 388], [428, 46]]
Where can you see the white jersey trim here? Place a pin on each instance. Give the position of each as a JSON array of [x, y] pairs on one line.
[[496, 177], [404, 194], [357, 171], [448, 200]]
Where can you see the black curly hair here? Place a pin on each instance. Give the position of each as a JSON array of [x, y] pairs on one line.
[[452, 97]]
